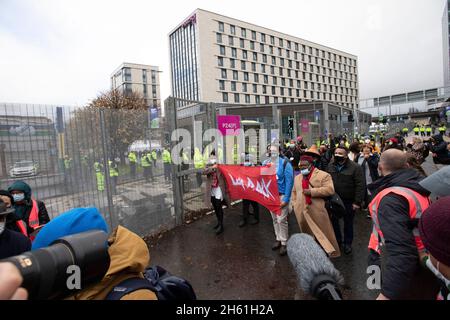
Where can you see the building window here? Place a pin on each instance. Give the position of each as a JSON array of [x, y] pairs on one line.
[[282, 91], [255, 56], [233, 85], [275, 99], [232, 63], [267, 99], [225, 97], [234, 52], [266, 79], [282, 62], [255, 88], [252, 45], [281, 71], [154, 95], [296, 47], [127, 74], [264, 89], [253, 67], [263, 68], [283, 82], [243, 65], [280, 52], [243, 33], [231, 40], [274, 80], [221, 27], [244, 54], [246, 77], [264, 58], [224, 73], [257, 100], [144, 76], [221, 85], [270, 49], [289, 44], [242, 43], [272, 70], [145, 90], [261, 47], [236, 97], [220, 61], [219, 38], [254, 35], [274, 60], [256, 77], [272, 40], [280, 42], [235, 75], [263, 37], [244, 87], [222, 50], [232, 29], [247, 98]]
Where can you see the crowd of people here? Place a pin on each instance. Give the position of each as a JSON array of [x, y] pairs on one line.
[[326, 184]]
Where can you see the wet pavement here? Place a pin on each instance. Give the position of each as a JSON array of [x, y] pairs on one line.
[[239, 264]]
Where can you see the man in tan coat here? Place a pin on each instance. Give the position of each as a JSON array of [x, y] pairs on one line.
[[310, 189]]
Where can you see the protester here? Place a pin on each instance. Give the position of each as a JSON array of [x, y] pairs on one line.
[[439, 150], [30, 214], [285, 179], [247, 203], [301, 146], [392, 143], [419, 150], [293, 154], [398, 201], [10, 281], [326, 154], [354, 151], [7, 198], [348, 183], [215, 190], [12, 243], [369, 165], [310, 189], [434, 228], [128, 253], [411, 162]]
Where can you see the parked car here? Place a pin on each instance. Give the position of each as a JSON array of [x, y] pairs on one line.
[[24, 168]]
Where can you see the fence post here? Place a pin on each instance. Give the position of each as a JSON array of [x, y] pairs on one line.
[[171, 117], [112, 216]]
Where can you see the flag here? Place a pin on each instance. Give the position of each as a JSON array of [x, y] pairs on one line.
[[252, 183]]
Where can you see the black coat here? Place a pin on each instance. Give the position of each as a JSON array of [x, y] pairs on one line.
[[402, 275], [42, 215], [439, 147], [13, 243], [349, 182]]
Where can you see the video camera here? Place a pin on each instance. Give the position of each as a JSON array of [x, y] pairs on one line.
[[67, 266]]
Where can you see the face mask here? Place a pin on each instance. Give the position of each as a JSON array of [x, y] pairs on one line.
[[437, 273], [274, 155], [212, 161], [305, 172], [2, 227], [292, 145], [339, 158], [18, 197]]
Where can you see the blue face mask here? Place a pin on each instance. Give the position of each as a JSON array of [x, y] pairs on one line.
[[18, 197], [305, 172]]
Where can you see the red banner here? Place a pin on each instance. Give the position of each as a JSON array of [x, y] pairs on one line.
[[253, 183]]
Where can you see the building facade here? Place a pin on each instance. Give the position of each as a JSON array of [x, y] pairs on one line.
[[446, 45], [140, 78], [219, 59]]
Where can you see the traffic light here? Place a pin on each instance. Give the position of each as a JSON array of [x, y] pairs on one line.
[[291, 125]]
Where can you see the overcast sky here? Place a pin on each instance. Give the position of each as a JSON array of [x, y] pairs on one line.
[[64, 51]]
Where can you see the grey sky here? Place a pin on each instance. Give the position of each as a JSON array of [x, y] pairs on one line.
[[63, 51]]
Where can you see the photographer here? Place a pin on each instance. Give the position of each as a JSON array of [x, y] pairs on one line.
[[129, 255]]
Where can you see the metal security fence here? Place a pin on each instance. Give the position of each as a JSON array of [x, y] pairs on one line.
[[79, 156]]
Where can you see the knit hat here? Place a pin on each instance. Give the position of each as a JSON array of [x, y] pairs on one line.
[[71, 222], [434, 227], [438, 183]]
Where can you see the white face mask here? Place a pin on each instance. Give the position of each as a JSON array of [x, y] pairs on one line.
[[437, 273], [2, 227]]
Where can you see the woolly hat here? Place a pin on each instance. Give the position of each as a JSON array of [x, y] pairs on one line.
[[434, 227]]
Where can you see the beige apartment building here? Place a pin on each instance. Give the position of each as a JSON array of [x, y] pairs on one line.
[[141, 78], [219, 59]]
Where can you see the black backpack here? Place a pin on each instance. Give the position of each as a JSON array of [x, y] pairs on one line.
[[160, 281]]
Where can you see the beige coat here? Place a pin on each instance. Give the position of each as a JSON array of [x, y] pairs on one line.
[[313, 219]]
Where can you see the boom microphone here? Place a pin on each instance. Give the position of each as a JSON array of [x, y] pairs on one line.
[[315, 273]]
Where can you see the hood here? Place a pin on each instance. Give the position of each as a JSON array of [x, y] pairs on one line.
[[438, 138], [408, 178], [21, 186], [129, 258], [71, 222]]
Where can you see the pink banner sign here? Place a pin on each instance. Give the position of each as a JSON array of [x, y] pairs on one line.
[[305, 126], [228, 125]]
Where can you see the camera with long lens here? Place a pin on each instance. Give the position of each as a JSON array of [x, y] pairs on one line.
[[47, 272]]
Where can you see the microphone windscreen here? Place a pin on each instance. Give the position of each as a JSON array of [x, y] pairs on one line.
[[309, 261]]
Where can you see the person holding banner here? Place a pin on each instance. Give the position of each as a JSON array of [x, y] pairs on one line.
[[215, 190], [310, 189], [247, 203], [285, 180]]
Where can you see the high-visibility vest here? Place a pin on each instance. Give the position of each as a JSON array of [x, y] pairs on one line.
[[405, 129], [416, 129], [132, 157], [422, 129], [97, 167], [154, 155], [428, 129], [100, 181], [198, 159], [347, 144], [33, 220], [113, 172], [146, 161], [417, 205], [442, 129], [185, 158], [166, 156]]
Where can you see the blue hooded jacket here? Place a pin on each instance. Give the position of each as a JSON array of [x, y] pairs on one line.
[[285, 178], [71, 222]]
